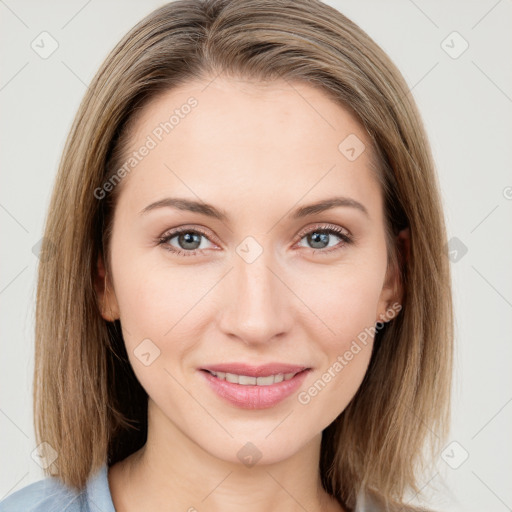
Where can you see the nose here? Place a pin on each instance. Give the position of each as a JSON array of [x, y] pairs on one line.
[[258, 305]]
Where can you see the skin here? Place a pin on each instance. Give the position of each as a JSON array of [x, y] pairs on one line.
[[258, 152]]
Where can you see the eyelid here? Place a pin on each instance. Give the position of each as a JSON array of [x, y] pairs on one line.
[[303, 232], [341, 232], [187, 228], [323, 226]]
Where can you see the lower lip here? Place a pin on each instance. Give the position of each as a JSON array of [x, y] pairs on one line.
[[255, 397]]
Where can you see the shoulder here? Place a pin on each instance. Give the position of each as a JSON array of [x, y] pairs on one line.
[[370, 501], [47, 495], [52, 495]]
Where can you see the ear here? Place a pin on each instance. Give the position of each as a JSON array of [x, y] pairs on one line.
[[107, 301], [393, 289]]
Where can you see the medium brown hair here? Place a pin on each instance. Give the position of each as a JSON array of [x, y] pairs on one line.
[[88, 404]]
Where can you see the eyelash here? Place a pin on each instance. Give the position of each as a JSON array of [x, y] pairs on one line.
[[321, 228]]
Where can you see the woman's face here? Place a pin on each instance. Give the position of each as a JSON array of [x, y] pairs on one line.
[[257, 277]]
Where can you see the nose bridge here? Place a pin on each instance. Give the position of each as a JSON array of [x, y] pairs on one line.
[[257, 310]]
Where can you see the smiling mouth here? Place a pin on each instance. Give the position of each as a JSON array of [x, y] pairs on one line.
[[247, 380], [255, 391]]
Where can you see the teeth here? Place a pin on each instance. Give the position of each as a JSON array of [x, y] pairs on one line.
[[264, 381], [246, 380]]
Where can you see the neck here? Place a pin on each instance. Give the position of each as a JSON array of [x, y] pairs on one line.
[[172, 469]]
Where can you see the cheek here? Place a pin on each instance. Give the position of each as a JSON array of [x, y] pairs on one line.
[[156, 307], [327, 395], [346, 348], [347, 307], [344, 301], [154, 297]]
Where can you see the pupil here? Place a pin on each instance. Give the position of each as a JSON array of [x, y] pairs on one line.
[[321, 238], [194, 238], [190, 238]]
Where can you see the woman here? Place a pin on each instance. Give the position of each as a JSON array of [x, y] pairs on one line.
[[246, 298]]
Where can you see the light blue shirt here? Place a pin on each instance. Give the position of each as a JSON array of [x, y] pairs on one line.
[[50, 495]]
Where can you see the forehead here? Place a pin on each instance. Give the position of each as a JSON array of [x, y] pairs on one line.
[[236, 139], [243, 108]]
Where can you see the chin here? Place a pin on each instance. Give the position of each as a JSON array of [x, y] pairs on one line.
[[248, 449]]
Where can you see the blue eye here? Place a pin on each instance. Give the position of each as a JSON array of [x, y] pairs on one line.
[[190, 240], [321, 235]]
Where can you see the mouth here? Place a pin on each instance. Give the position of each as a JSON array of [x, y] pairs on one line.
[[249, 380], [255, 391]]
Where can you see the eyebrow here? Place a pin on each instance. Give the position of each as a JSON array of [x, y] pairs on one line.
[[211, 211]]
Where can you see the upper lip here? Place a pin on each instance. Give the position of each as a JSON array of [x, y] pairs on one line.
[[264, 370]]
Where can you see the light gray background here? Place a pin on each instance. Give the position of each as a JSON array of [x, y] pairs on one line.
[[466, 103]]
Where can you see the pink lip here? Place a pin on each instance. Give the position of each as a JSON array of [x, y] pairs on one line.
[[255, 397], [255, 371]]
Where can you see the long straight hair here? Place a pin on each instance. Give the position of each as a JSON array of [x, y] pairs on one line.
[[88, 404]]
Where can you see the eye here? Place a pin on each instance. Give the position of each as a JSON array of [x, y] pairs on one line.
[[321, 235], [189, 241]]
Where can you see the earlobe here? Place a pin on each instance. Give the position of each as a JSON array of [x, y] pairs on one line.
[[393, 289], [107, 302]]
